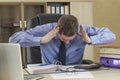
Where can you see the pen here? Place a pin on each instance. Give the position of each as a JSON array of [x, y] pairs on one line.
[[44, 64]]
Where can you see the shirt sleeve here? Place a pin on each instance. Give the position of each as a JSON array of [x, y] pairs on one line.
[[32, 36], [100, 35]]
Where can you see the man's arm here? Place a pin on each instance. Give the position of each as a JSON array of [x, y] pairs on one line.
[[31, 37], [96, 35], [50, 35]]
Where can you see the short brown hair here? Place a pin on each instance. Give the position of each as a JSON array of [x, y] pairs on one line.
[[68, 25]]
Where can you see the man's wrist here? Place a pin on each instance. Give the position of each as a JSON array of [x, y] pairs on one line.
[[42, 40]]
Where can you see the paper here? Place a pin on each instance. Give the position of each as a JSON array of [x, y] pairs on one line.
[[72, 75]]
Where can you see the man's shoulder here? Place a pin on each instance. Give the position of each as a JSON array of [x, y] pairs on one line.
[[49, 24], [54, 23]]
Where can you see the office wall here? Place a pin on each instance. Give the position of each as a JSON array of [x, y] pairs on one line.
[[107, 13], [84, 12]]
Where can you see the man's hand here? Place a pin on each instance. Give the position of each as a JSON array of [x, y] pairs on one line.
[[84, 35], [50, 35]]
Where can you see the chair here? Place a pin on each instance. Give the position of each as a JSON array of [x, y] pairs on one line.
[[33, 53]]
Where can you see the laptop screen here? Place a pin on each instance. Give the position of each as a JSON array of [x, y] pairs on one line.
[[10, 62]]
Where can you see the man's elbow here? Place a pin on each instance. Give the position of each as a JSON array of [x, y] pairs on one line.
[[13, 40], [10, 40], [114, 37]]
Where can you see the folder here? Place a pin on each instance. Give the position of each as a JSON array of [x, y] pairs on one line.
[[53, 9], [66, 8], [57, 9], [110, 62], [62, 9]]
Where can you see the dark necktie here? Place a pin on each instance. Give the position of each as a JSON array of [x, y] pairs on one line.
[[62, 53]]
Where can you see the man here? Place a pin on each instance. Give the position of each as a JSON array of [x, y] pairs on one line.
[[67, 29]]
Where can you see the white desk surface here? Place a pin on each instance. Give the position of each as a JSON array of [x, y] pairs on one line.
[[111, 74]]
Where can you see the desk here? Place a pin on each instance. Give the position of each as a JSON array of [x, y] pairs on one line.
[[111, 74]]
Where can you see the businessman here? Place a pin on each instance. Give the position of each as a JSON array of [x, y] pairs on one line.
[[63, 41]]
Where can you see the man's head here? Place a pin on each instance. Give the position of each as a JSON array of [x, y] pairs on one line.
[[68, 26]]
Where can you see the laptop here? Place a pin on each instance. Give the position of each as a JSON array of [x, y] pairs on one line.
[[11, 63]]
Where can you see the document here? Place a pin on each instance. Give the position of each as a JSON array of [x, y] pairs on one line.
[[70, 75]]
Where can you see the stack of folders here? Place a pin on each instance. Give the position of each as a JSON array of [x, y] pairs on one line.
[[110, 56], [38, 68], [58, 9]]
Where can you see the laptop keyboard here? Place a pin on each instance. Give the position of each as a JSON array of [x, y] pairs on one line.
[[32, 77]]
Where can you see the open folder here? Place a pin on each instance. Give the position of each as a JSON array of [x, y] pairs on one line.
[[38, 68], [51, 68]]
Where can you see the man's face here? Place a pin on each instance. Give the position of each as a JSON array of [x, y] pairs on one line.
[[66, 39]]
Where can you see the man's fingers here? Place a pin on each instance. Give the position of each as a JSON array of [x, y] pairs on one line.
[[83, 32], [79, 34], [82, 29], [84, 35], [56, 28]]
